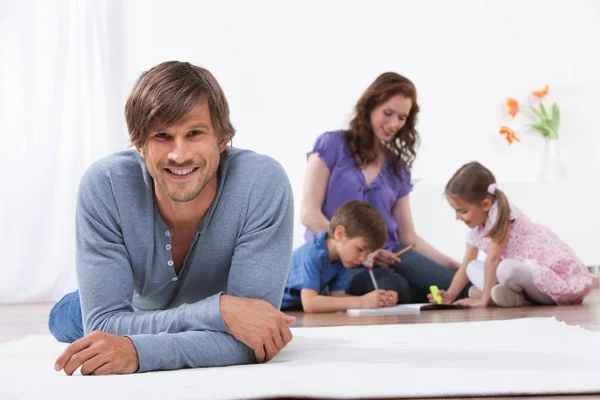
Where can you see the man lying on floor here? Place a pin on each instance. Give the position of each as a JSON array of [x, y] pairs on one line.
[[163, 230]]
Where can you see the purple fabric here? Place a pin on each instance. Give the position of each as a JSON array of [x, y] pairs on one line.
[[347, 183]]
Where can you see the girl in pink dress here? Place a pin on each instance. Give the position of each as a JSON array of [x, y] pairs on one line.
[[524, 259]]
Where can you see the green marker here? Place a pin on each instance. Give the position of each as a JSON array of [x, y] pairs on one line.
[[434, 291]]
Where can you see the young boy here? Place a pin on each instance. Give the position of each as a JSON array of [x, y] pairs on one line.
[[356, 229]]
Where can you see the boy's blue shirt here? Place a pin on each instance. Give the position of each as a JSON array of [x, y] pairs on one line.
[[311, 269]]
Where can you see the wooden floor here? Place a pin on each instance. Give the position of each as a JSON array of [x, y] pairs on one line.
[[586, 315], [17, 321]]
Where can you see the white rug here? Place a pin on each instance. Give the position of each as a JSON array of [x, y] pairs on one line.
[[515, 357]]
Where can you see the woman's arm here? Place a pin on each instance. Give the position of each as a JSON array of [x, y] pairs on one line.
[[407, 235], [313, 195]]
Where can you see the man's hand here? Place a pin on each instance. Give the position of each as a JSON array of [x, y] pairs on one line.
[[257, 324], [380, 258], [99, 353]]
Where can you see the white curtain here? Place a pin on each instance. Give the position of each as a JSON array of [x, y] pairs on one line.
[[61, 109]]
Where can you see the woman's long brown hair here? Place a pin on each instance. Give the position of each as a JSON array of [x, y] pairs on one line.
[[360, 136]]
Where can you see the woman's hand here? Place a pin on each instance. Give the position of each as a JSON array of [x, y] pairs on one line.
[[447, 298], [380, 258]]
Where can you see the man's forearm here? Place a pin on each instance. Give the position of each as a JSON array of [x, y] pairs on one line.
[[190, 350], [115, 318]]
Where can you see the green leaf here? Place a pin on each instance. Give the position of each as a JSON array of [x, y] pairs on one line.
[[536, 112], [540, 126], [543, 128], [555, 117], [543, 110]]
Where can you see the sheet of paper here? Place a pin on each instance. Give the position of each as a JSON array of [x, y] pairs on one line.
[[401, 309], [396, 310]]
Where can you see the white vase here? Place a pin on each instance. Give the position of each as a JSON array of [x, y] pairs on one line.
[[552, 167]]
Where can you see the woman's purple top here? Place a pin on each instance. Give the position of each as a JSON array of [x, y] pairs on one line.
[[347, 183]]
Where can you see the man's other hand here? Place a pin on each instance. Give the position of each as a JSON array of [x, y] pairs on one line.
[[99, 353], [257, 324]]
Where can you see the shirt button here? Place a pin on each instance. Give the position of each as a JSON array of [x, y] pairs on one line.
[[168, 247], [167, 233], [170, 262], [174, 279]]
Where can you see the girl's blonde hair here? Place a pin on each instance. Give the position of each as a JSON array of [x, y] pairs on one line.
[[471, 183]]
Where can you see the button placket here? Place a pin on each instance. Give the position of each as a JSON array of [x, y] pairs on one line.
[[168, 248]]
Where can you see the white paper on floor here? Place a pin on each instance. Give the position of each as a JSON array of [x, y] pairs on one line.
[[514, 357]]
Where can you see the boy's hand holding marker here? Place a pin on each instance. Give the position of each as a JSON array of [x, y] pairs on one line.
[[379, 298]]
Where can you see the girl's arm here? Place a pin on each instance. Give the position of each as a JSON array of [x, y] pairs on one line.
[[407, 235], [460, 280], [313, 195], [491, 265]]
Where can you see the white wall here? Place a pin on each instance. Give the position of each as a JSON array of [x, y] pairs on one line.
[[291, 72], [60, 69]]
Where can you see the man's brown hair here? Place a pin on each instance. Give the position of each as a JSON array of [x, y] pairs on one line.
[[360, 219], [166, 93]]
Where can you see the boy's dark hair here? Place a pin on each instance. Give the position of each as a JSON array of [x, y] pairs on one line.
[[360, 219]]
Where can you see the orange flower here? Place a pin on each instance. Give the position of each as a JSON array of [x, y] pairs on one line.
[[541, 93], [510, 134], [513, 106]]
